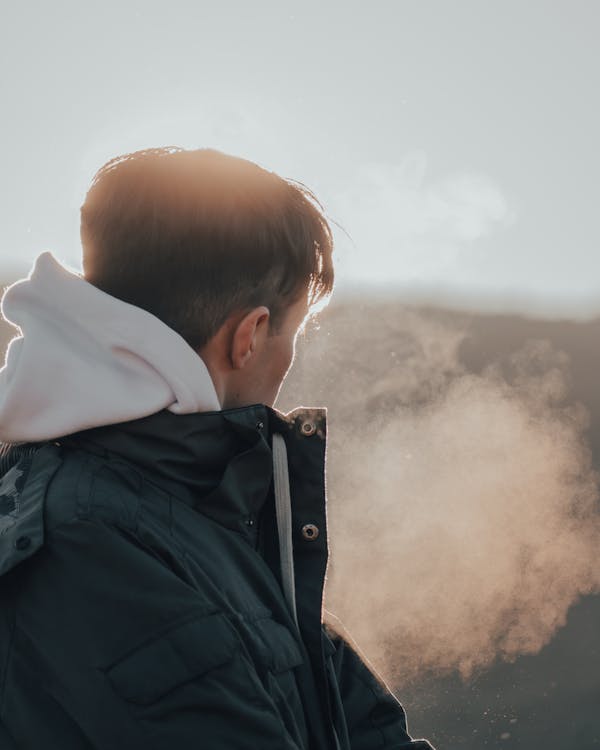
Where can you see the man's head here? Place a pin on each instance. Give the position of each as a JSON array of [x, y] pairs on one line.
[[231, 256]]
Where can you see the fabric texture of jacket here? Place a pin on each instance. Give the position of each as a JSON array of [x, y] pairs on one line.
[[162, 567]]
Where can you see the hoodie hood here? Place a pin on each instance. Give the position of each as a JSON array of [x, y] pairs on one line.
[[85, 359]]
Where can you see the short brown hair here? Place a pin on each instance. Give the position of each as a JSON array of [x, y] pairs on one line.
[[194, 235]]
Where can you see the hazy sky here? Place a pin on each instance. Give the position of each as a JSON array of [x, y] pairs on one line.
[[455, 142]]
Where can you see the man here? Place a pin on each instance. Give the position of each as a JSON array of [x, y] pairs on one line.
[[163, 529]]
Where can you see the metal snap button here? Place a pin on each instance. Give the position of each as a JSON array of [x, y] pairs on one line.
[[22, 542], [310, 531], [259, 425], [308, 428]]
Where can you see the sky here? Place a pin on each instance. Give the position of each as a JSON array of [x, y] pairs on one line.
[[453, 145]]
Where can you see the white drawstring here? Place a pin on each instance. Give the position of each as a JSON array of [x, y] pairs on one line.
[[283, 510]]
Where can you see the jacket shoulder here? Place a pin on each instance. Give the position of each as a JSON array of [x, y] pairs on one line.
[[23, 488], [93, 487], [42, 486]]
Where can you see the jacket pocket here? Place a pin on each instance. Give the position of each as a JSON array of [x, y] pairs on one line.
[[279, 650], [279, 654], [182, 653], [196, 685]]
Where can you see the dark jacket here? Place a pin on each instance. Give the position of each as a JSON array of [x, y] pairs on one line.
[[141, 604]]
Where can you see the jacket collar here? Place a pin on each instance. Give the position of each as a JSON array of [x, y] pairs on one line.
[[218, 462]]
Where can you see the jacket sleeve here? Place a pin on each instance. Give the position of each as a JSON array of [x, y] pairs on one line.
[[374, 716], [131, 652]]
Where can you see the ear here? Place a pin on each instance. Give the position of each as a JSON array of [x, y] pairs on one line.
[[247, 335]]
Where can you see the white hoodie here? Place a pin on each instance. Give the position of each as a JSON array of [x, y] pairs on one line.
[[86, 359]]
